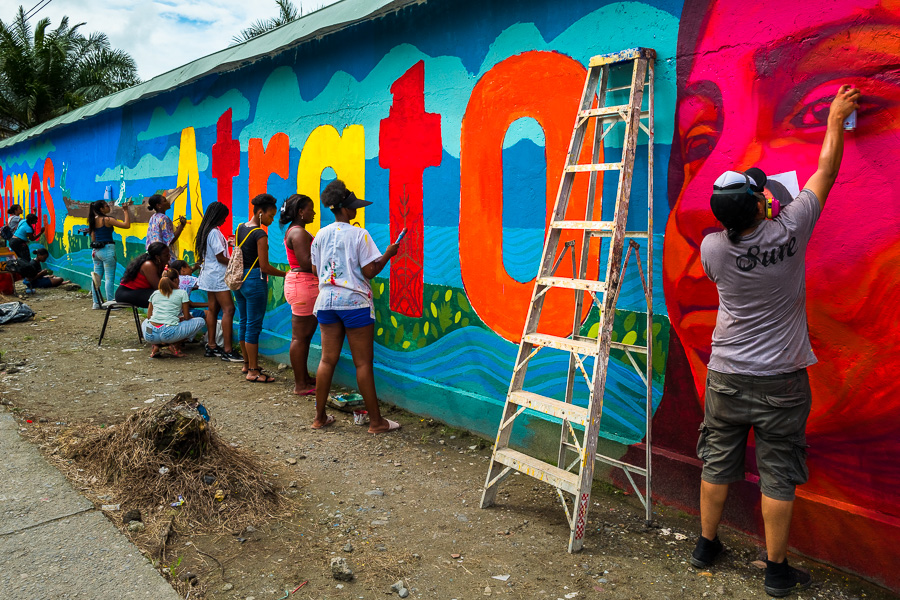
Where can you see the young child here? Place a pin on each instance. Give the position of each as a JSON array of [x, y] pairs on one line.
[[189, 283], [168, 316]]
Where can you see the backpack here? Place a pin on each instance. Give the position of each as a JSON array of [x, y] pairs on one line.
[[6, 232], [21, 267], [234, 272]]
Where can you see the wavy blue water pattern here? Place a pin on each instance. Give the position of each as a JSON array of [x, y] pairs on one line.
[[480, 362]]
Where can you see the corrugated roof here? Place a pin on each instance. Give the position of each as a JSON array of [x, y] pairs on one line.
[[315, 25]]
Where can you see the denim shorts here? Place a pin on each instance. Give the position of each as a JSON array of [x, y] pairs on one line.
[[776, 408], [352, 319]]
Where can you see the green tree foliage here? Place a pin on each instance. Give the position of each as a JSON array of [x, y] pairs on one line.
[[49, 72], [287, 12]]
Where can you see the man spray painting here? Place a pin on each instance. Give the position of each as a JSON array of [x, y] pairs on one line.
[[757, 375]]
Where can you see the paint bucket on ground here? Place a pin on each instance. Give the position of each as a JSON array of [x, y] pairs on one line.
[[361, 417]]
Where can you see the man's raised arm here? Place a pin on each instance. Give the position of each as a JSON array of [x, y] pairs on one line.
[[846, 101]]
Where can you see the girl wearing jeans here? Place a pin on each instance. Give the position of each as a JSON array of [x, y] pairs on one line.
[[251, 297], [345, 258], [169, 319], [103, 253]]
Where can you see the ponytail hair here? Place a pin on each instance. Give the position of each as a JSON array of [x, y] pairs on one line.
[[95, 209], [168, 283]]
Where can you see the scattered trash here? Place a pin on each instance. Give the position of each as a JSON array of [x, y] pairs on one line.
[[203, 412], [291, 461], [29, 421], [209, 479], [15, 312], [150, 401], [361, 417], [680, 537], [706, 574], [178, 502], [220, 495], [455, 556], [346, 402], [299, 586], [500, 577], [758, 564], [131, 349], [163, 470], [111, 507]]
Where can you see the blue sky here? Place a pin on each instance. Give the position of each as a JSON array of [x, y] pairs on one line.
[[160, 34]]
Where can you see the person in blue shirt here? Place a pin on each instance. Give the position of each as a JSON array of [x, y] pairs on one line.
[[25, 232]]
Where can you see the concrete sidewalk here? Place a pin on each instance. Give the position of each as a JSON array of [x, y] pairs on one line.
[[53, 543]]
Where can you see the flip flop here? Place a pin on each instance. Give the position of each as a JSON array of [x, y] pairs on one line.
[[309, 392], [392, 426], [155, 351], [266, 377], [329, 419]]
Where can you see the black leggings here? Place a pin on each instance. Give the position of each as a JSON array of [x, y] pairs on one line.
[[20, 247], [139, 298]]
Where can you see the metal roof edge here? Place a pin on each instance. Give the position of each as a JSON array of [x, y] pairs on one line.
[[315, 25]]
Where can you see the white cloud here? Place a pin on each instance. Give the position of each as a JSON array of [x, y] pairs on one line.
[[161, 34]]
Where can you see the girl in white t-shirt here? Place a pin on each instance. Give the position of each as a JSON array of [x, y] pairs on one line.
[[345, 258], [169, 318], [212, 248]]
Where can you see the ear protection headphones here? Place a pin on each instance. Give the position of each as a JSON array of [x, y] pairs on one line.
[[773, 207]]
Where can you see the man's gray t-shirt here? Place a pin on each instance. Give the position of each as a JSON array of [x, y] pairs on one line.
[[761, 326]]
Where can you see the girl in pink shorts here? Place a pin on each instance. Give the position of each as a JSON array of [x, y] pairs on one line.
[[301, 287]]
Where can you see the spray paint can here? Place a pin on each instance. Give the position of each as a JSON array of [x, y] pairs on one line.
[[850, 122]]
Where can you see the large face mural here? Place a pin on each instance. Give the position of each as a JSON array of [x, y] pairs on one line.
[[750, 95]]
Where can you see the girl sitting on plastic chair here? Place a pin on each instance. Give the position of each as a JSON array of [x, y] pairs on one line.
[[169, 318]]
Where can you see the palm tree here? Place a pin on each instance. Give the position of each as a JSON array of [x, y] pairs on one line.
[[287, 12], [50, 72]]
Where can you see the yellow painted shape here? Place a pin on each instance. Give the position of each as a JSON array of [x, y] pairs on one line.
[[137, 233], [69, 225], [190, 203], [345, 153]]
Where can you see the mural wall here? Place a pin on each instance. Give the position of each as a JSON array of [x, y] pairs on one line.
[[456, 128]]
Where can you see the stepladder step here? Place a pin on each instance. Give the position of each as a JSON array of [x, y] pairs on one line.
[[533, 467], [587, 285], [550, 406], [586, 348], [606, 226]]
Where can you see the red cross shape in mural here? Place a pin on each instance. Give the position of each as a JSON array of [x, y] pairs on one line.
[[409, 142]]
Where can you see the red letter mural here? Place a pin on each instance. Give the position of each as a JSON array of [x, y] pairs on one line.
[[409, 142], [504, 94], [226, 163], [263, 162], [49, 182]]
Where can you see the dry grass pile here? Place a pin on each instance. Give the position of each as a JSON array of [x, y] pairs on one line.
[[166, 451]]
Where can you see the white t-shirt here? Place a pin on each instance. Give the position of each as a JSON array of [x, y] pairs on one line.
[[339, 252], [212, 275], [167, 310]]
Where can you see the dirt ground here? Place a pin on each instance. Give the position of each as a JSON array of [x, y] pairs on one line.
[[397, 506]]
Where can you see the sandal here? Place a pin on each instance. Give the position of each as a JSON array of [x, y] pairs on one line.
[[266, 378], [245, 368], [392, 426], [329, 419], [155, 351], [176, 352]]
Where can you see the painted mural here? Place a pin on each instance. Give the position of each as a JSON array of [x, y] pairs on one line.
[[459, 137]]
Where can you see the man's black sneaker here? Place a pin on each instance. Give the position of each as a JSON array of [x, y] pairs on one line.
[[212, 352], [783, 579], [232, 356], [706, 552]]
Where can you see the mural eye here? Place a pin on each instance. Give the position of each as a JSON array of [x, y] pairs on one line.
[[697, 144], [814, 114]]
